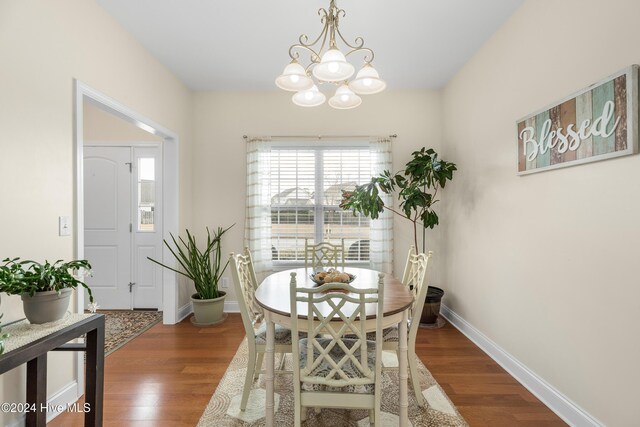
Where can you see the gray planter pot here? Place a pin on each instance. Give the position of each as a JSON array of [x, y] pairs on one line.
[[207, 312], [47, 306]]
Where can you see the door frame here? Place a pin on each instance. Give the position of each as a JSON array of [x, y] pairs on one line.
[[170, 190]]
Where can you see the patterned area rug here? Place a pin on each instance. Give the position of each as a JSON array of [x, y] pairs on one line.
[[121, 326], [223, 409]]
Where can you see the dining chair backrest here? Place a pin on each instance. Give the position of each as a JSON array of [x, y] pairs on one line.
[[324, 255], [416, 279], [333, 311], [245, 285]]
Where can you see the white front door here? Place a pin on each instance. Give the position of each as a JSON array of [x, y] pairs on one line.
[[107, 221], [123, 225]]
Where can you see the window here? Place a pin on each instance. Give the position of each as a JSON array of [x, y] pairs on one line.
[[293, 193], [305, 189], [146, 193]]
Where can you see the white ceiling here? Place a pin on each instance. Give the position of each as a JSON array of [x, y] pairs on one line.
[[243, 44]]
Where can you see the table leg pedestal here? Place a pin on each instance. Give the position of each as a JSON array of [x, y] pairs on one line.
[[403, 374], [268, 379]]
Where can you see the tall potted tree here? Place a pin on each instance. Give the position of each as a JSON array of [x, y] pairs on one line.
[[416, 187], [204, 268]]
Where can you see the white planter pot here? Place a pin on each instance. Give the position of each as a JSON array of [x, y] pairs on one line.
[[207, 312], [47, 306]]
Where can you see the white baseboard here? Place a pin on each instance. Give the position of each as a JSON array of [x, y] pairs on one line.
[[184, 311], [570, 412], [62, 399], [231, 307]]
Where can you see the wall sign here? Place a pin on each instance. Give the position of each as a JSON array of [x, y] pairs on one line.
[[597, 123]]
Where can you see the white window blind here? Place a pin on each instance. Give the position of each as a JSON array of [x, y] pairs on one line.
[[306, 185]]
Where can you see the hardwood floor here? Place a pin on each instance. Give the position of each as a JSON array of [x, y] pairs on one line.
[[166, 377]]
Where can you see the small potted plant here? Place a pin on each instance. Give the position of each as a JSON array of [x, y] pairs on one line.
[[44, 288], [416, 187], [204, 268]]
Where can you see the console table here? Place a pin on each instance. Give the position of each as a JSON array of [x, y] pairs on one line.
[[29, 344]]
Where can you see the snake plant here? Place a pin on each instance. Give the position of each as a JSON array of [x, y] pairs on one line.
[[202, 266]]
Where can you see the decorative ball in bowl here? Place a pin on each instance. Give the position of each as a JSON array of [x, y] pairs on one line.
[[332, 276]]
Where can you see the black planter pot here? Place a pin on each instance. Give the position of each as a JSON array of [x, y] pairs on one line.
[[431, 308]]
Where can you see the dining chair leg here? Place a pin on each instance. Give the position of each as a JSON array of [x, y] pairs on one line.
[[403, 374], [415, 379], [269, 406], [248, 380], [297, 422], [258, 366], [372, 417]]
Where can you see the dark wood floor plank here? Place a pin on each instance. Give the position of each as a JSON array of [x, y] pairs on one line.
[[166, 377]]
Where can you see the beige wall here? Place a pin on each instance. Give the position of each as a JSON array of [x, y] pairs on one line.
[[223, 117], [101, 126], [545, 264], [44, 45]]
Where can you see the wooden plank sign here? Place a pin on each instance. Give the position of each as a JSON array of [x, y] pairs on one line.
[[597, 123]]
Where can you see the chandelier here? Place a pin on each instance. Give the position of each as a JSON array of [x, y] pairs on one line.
[[328, 65]]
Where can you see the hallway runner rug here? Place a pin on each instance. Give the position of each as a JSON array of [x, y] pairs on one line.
[[224, 407], [121, 326]]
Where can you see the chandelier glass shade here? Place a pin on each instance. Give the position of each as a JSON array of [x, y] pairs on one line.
[[333, 67], [344, 99], [329, 65], [309, 98], [367, 81], [294, 78]]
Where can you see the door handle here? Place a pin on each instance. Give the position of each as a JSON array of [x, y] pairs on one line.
[[131, 286]]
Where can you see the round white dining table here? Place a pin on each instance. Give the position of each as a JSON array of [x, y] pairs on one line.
[[273, 296]]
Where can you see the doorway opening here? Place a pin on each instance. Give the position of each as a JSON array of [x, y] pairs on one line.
[[165, 160]]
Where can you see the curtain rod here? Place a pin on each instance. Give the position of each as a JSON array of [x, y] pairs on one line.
[[318, 137]]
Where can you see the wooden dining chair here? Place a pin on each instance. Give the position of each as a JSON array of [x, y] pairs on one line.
[[416, 279], [245, 285], [328, 369], [324, 255]]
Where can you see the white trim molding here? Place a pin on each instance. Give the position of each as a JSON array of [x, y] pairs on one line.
[[231, 307], [170, 192], [184, 311], [569, 411]]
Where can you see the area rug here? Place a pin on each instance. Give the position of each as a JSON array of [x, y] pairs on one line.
[[121, 326], [224, 407]]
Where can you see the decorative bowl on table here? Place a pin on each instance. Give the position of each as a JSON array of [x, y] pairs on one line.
[[331, 276]]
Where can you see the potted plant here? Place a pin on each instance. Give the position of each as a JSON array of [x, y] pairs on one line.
[[44, 288], [416, 187], [204, 268]]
